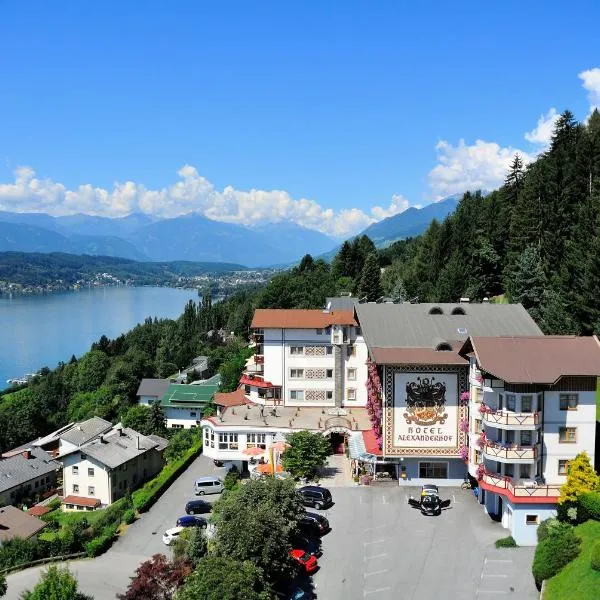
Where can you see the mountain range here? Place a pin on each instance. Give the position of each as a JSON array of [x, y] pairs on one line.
[[193, 237]]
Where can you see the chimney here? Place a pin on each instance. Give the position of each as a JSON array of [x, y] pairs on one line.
[[137, 442], [27, 453]]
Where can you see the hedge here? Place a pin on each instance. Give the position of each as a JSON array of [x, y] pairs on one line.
[[147, 495], [589, 505], [595, 558], [103, 542], [129, 516], [558, 548], [551, 527]]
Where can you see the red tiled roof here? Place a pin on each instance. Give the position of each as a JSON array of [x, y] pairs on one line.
[[38, 511], [245, 380], [237, 398], [371, 443], [537, 359], [82, 501], [265, 318]]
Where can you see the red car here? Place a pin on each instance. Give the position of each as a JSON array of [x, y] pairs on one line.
[[307, 560]]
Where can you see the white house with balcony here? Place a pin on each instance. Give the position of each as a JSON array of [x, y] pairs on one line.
[[532, 409]]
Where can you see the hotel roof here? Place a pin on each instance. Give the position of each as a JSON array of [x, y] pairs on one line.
[[275, 318], [536, 359], [393, 331]]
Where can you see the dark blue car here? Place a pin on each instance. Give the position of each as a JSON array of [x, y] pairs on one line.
[[191, 521]]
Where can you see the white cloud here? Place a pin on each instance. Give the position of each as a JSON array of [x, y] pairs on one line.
[[191, 193], [591, 82], [463, 167], [542, 134]]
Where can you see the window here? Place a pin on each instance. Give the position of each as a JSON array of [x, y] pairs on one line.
[[83, 456], [209, 438], [524, 471], [532, 519], [352, 350], [75, 470], [75, 488], [500, 401], [357, 331], [90, 472], [174, 426], [91, 490], [329, 350], [509, 470], [351, 374], [568, 401], [228, 441], [329, 374], [296, 394], [296, 373], [526, 404], [328, 331], [563, 466], [329, 394], [509, 436], [256, 440], [296, 350], [433, 470], [37, 483], [526, 438], [70, 506], [319, 332], [567, 435], [478, 425], [511, 402], [350, 394]]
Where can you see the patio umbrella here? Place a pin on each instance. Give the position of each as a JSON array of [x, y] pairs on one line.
[[253, 451], [279, 446], [266, 469]]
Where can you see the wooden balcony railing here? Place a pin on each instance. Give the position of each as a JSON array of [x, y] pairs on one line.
[[521, 489], [494, 450], [500, 417]]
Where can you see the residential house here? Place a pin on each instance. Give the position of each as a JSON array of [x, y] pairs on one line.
[[81, 433], [100, 471], [26, 473], [532, 410], [15, 523]]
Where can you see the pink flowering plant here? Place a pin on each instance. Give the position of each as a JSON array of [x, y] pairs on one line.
[[482, 439], [480, 471], [464, 425], [463, 452], [374, 407], [465, 397]]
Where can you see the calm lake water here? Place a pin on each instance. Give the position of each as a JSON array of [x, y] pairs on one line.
[[38, 331]]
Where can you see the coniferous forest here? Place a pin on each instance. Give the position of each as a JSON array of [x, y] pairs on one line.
[[536, 240]]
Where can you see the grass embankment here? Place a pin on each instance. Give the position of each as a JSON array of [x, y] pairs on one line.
[[578, 581]]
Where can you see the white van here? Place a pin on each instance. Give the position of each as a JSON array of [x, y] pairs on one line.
[[208, 485]]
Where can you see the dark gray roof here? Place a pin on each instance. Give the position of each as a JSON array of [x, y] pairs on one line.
[[153, 387], [85, 431], [120, 445], [412, 325], [16, 470], [341, 302]]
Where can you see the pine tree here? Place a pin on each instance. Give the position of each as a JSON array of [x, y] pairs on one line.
[[581, 478], [369, 286], [157, 422], [527, 281]]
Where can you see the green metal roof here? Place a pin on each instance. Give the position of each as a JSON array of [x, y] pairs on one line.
[[180, 394]]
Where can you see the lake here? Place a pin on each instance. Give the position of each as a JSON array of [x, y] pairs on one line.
[[38, 331]]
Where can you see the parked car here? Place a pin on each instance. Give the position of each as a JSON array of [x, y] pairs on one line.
[[313, 524], [305, 559], [315, 496], [308, 543], [208, 485], [191, 521], [428, 489], [197, 507], [170, 535], [429, 502]]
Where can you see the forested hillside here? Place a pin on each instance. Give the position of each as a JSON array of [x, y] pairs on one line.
[[536, 239]]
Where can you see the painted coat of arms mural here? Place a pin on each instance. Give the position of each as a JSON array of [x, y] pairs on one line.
[[426, 401]]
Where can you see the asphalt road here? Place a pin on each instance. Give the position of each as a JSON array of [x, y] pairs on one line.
[[109, 574], [382, 549]]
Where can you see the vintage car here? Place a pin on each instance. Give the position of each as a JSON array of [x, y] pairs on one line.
[[429, 503]]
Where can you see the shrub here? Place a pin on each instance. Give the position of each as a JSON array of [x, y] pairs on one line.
[[557, 549], [103, 542], [54, 504], [231, 479], [129, 516], [111, 515], [595, 558], [19, 551], [506, 542], [589, 505], [552, 527]]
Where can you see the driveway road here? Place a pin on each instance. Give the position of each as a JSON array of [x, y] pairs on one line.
[[109, 574]]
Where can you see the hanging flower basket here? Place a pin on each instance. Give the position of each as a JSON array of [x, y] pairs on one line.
[[464, 425], [463, 451], [465, 397]]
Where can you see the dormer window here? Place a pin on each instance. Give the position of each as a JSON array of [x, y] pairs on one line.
[[436, 310], [443, 347], [458, 310]]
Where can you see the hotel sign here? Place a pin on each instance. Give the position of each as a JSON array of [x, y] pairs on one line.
[[425, 413]]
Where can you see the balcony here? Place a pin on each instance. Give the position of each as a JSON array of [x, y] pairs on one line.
[[509, 420], [519, 491], [506, 453]]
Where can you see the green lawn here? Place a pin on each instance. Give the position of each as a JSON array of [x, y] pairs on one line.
[[578, 581], [70, 518]]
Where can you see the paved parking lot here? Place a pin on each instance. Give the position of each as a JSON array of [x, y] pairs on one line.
[[382, 549]]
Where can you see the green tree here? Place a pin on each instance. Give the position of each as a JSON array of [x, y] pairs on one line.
[[157, 421], [138, 418], [3, 585], [197, 546], [91, 370], [55, 584], [255, 521], [180, 443], [581, 478], [369, 286], [527, 282], [223, 578], [307, 452]]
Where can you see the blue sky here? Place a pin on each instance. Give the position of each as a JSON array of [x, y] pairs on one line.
[[309, 111]]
